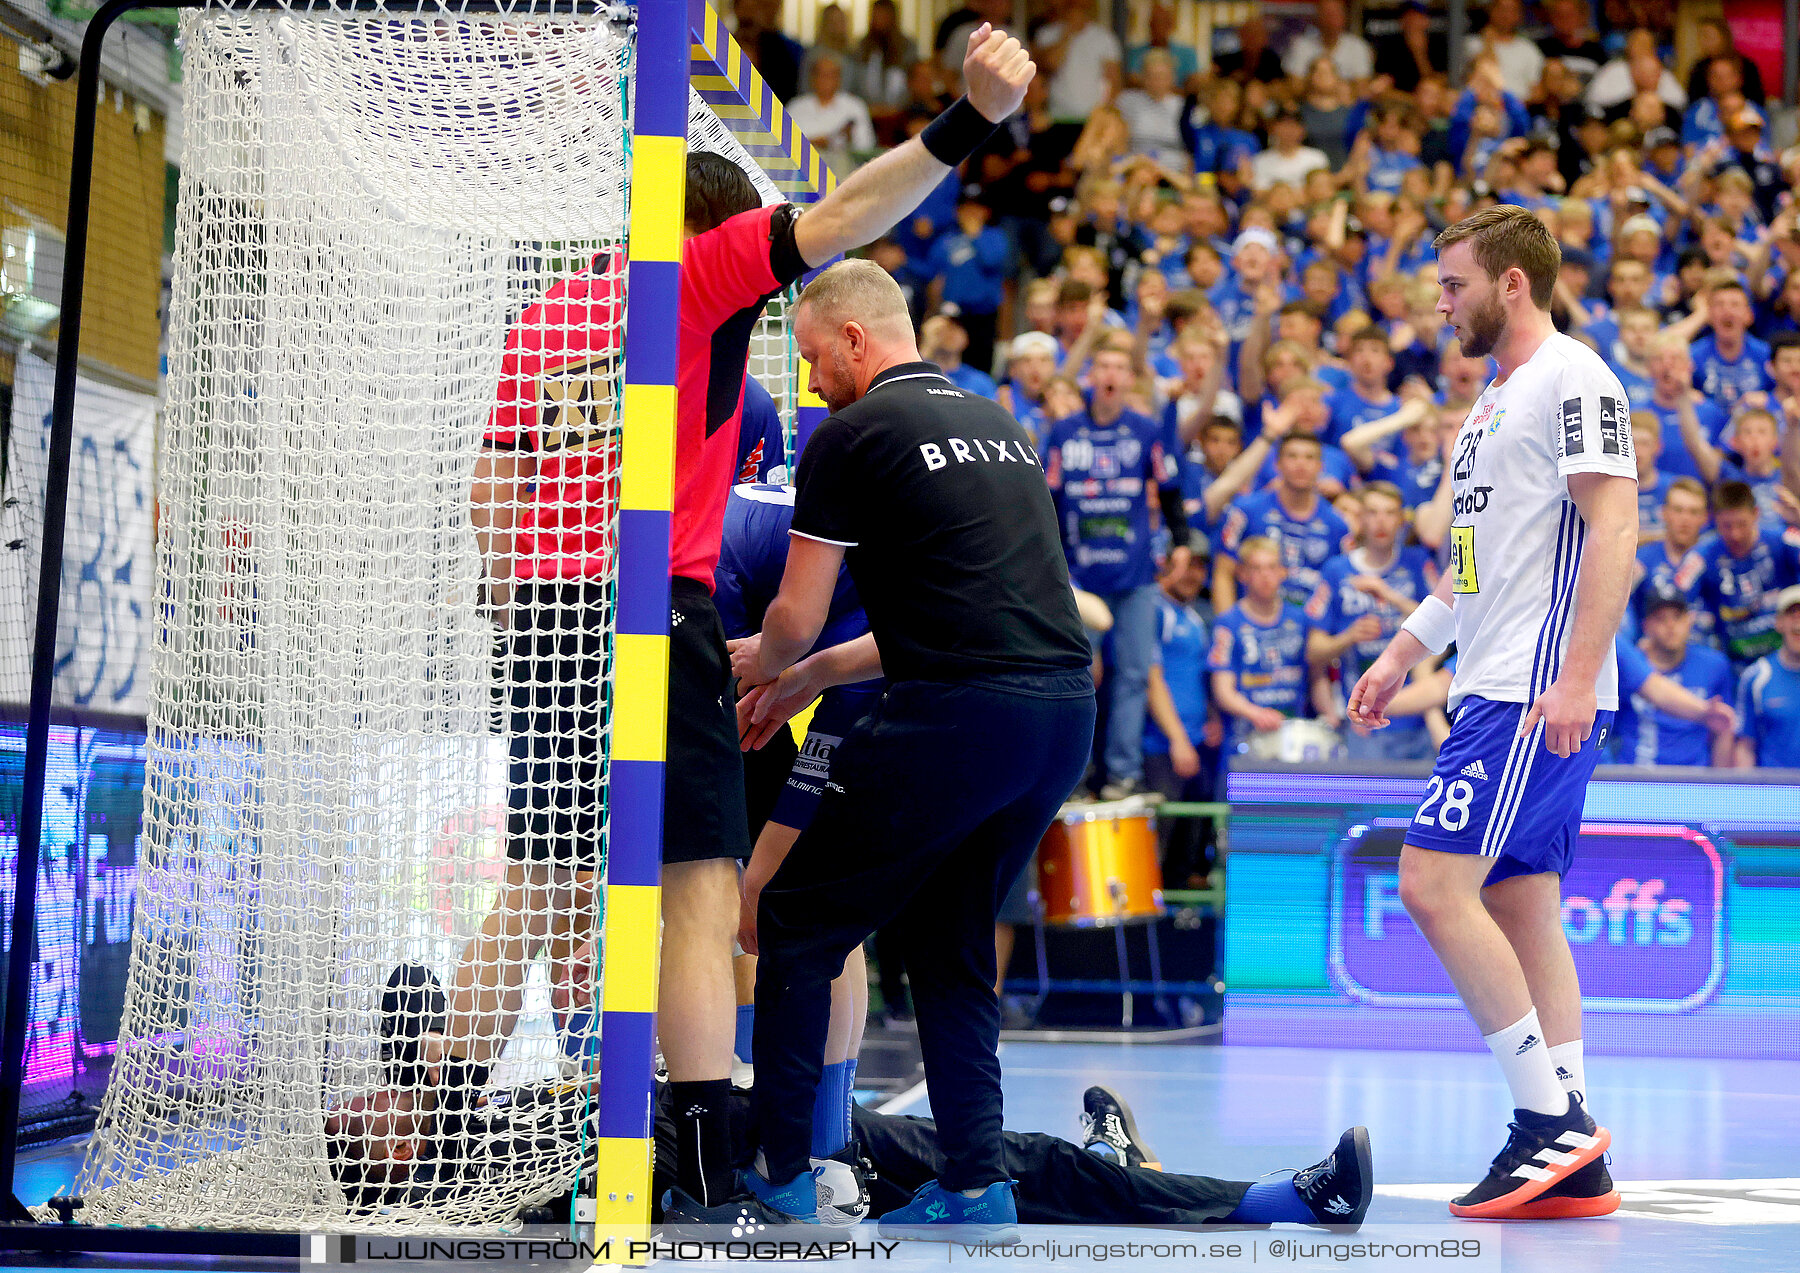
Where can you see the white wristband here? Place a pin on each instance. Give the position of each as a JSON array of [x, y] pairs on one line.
[[1433, 623]]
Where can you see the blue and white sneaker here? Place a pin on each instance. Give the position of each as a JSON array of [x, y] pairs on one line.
[[798, 1199], [936, 1214]]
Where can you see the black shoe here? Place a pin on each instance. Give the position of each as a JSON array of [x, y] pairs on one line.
[[744, 1214], [1541, 1151], [412, 1006], [1109, 1129], [1338, 1189]]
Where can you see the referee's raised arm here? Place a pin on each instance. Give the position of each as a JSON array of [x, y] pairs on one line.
[[997, 70]]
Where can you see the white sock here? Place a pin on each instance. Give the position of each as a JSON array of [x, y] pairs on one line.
[[1525, 1061], [1570, 1072]]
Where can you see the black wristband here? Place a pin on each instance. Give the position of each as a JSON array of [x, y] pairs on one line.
[[953, 136]]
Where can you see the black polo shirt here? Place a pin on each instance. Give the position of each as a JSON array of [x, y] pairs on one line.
[[951, 537]]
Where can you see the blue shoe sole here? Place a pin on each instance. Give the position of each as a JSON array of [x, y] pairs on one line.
[[995, 1234]]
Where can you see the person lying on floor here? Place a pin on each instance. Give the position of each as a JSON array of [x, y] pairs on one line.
[[382, 1156]]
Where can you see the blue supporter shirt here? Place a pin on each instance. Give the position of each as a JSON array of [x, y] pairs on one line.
[[1388, 168], [974, 268], [969, 380], [1181, 652], [1660, 573], [1724, 380], [1306, 543], [1268, 662], [1333, 377], [1103, 478], [1645, 734], [1216, 148], [1634, 667], [1700, 123], [762, 444], [1604, 332], [1029, 414], [1737, 594], [1337, 603], [752, 558], [1676, 460], [1235, 307], [1418, 481], [1350, 409], [1650, 502], [938, 213], [1639, 390], [1768, 707]]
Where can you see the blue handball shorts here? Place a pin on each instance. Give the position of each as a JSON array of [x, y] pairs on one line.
[[839, 709], [1506, 797]]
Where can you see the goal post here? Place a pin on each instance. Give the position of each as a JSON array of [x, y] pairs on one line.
[[392, 204], [625, 1144]]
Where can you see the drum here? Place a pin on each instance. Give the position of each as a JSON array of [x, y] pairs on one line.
[[1097, 865], [1297, 742]]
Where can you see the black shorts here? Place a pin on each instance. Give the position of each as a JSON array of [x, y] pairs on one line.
[[559, 699]]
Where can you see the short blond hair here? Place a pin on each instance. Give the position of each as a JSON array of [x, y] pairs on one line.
[[1690, 486], [1260, 544], [1666, 341], [859, 291]]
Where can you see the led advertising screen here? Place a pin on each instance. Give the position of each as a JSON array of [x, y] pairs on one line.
[[1682, 910], [93, 814]]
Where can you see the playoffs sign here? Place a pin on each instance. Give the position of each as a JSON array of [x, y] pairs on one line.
[[1643, 908]]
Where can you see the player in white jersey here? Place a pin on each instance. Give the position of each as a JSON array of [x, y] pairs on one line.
[[1542, 544]]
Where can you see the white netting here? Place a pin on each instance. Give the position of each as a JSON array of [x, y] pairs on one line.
[[372, 211]]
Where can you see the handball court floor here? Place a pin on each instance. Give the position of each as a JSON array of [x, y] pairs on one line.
[[1706, 1152]]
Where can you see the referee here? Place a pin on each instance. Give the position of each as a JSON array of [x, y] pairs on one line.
[[934, 498]]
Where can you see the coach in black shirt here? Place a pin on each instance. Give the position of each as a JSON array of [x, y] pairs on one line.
[[937, 799]]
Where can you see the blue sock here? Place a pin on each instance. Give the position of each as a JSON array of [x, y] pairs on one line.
[[849, 1097], [746, 1026], [828, 1112], [1272, 1202]]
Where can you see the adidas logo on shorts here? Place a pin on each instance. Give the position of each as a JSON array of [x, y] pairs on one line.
[[1474, 769]]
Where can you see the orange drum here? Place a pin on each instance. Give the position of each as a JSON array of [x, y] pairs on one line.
[[1097, 865]]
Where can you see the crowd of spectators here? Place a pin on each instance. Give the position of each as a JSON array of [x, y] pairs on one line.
[[1207, 289]]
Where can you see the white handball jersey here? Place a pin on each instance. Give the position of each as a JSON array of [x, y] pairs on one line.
[[1516, 538]]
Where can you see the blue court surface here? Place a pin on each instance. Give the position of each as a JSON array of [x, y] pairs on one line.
[[1706, 1152]]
